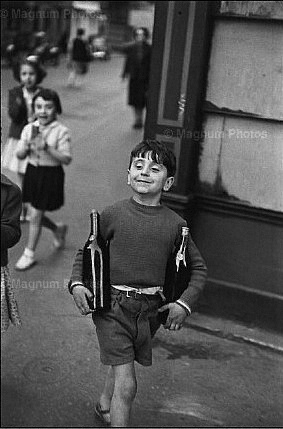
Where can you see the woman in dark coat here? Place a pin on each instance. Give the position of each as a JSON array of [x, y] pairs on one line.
[[80, 57], [137, 68]]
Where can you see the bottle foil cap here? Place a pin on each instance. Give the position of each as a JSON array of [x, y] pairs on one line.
[[185, 230]]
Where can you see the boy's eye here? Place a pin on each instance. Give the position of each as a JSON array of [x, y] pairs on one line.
[[139, 165], [155, 169]]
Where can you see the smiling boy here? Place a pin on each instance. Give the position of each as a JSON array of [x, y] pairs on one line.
[[142, 235]]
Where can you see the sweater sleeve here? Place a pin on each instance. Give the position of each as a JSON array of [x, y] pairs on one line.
[[77, 270], [64, 142], [198, 275], [106, 224]]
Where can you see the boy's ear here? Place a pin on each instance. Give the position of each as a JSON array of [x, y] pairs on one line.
[[169, 182], [128, 178]]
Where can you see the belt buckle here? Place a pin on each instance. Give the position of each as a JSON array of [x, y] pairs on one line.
[[137, 292]]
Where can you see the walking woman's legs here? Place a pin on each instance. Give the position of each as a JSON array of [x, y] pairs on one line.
[[138, 112]]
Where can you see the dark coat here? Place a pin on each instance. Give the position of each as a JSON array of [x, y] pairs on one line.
[[80, 52], [137, 68], [17, 110], [11, 207]]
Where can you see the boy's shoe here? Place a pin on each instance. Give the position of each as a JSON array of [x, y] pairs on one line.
[[60, 236], [26, 261], [101, 414]]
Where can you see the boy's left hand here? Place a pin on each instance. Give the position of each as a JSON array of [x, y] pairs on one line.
[[176, 316]]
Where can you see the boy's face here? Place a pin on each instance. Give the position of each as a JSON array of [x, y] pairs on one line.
[[44, 110], [148, 178]]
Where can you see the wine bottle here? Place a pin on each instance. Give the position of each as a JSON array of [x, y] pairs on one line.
[[96, 266], [177, 272]]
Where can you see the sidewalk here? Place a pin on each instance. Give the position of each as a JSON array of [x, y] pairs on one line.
[[235, 331]]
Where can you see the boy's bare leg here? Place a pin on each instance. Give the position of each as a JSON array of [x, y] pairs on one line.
[[107, 393], [125, 389]]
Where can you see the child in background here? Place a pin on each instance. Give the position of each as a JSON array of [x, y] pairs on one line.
[[46, 143], [142, 235], [30, 74]]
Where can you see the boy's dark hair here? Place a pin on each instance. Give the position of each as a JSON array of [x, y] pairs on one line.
[[49, 94], [33, 62], [159, 153]]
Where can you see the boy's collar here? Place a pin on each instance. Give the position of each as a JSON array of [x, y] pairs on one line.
[[145, 206], [50, 125]]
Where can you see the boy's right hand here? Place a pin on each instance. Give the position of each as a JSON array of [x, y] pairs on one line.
[[80, 294]]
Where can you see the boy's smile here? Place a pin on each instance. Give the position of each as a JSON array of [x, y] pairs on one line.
[[148, 179]]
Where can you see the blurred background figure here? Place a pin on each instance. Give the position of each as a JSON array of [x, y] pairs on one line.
[[44, 50], [79, 58], [29, 74], [11, 205], [63, 43], [137, 68]]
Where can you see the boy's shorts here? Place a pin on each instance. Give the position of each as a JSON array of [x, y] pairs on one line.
[[125, 331]]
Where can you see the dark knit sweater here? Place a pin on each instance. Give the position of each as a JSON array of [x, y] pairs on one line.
[[141, 240]]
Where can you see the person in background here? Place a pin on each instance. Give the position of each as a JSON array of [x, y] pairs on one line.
[[63, 43], [47, 144], [137, 69], [30, 74], [79, 58], [11, 206]]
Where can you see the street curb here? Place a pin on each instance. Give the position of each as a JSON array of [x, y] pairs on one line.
[[236, 337]]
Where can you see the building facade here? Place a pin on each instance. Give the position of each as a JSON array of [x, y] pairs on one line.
[[217, 101], [24, 18]]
